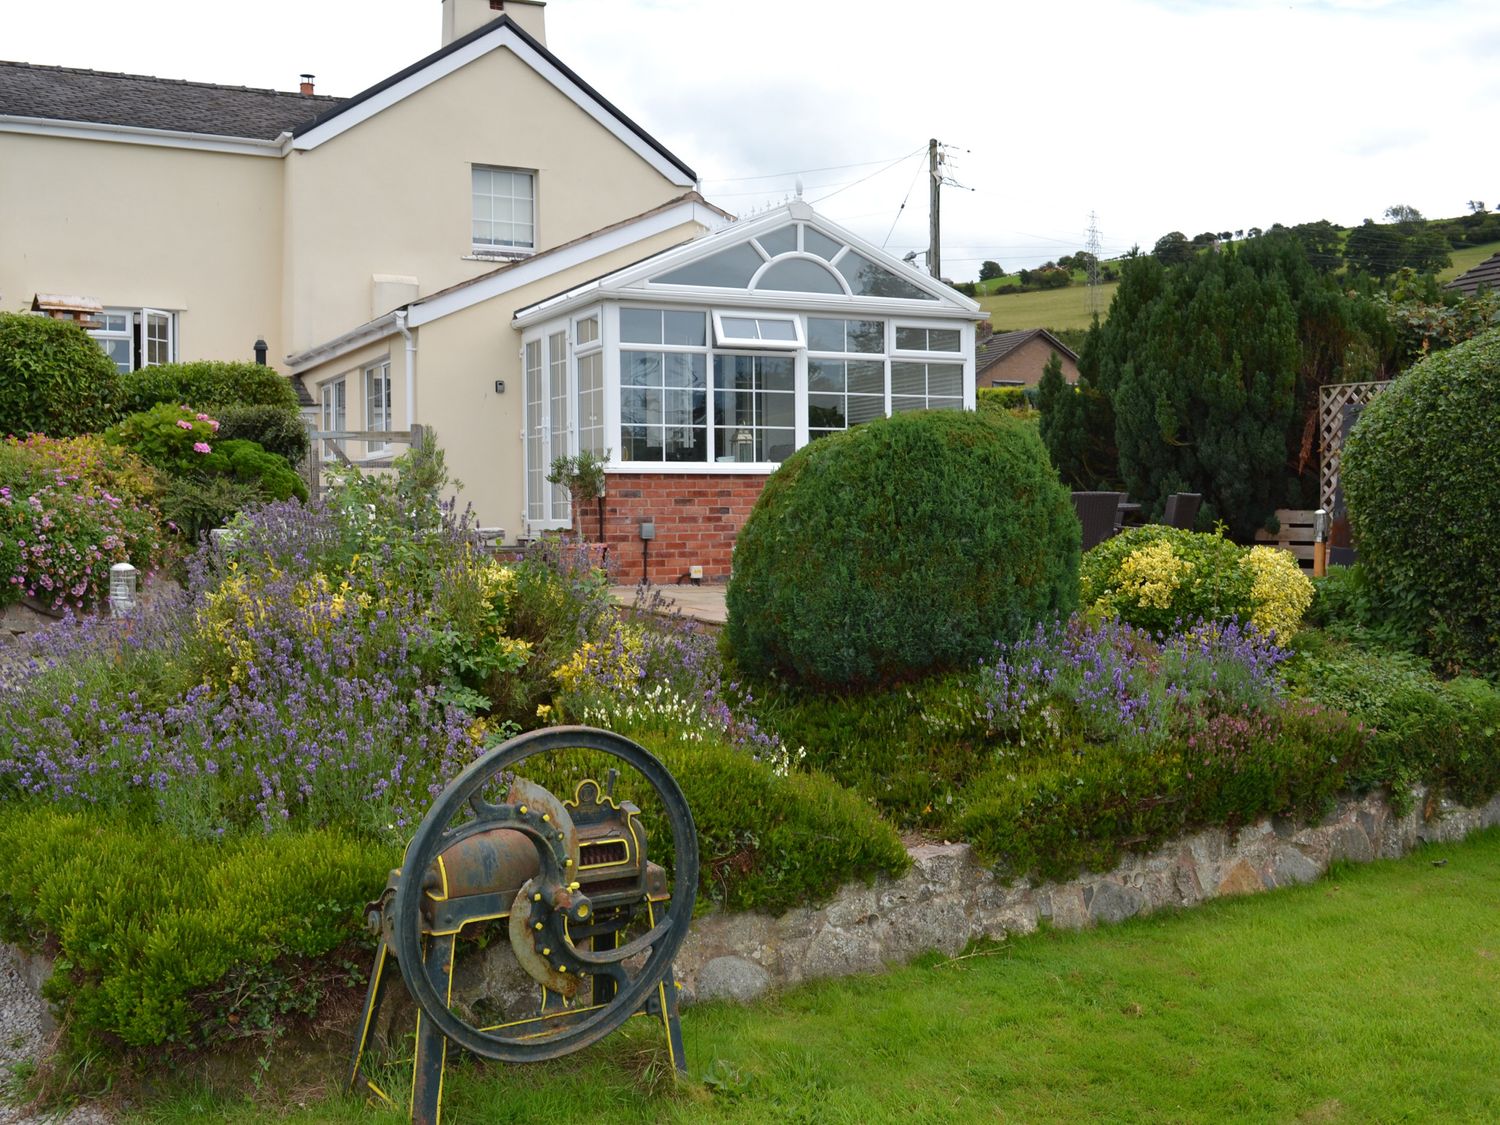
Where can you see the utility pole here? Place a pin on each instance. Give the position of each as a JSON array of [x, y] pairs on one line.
[[934, 233]]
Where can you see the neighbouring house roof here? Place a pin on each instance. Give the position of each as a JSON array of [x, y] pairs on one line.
[[183, 110], [1001, 344], [1486, 274], [60, 93]]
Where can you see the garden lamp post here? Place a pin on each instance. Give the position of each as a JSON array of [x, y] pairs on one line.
[[123, 581]]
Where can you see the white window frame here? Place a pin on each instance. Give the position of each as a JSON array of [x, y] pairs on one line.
[[138, 324], [589, 351], [501, 250], [377, 408], [333, 399], [546, 506], [726, 340]]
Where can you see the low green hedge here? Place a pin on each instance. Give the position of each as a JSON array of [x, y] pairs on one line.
[[1443, 733], [147, 926], [163, 940]]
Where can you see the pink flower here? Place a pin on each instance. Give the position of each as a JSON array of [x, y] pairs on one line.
[[203, 418], [184, 424], [213, 425], [202, 447]]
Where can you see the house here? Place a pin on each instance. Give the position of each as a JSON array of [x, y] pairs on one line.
[[481, 243], [1486, 275], [1016, 359]]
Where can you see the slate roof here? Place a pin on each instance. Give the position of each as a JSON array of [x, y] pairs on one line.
[[1486, 273], [1001, 344], [63, 93]]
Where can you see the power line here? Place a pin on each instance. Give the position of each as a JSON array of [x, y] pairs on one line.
[[802, 171], [904, 199], [871, 176]]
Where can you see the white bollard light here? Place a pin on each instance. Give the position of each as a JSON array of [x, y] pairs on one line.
[[123, 579]]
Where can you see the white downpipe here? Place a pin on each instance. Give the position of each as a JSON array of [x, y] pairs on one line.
[[411, 367]]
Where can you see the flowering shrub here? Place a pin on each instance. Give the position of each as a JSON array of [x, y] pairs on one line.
[[63, 524], [1158, 577], [173, 438]]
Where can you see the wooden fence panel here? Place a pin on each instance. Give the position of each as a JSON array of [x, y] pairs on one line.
[[1296, 535]]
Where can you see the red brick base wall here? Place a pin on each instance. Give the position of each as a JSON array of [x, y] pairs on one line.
[[697, 517]]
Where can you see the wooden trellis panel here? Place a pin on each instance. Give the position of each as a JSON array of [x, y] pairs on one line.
[[1332, 398]]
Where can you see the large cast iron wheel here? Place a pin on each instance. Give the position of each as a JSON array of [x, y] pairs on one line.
[[659, 944]]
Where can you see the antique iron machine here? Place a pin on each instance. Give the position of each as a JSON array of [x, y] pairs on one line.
[[587, 917]]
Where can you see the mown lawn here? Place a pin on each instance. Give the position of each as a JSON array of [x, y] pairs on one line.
[[1369, 996]]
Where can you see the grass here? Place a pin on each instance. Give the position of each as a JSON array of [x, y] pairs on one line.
[[1368, 996], [1047, 308], [1069, 308], [1467, 258]]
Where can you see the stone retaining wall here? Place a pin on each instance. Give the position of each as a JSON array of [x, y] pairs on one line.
[[947, 899]]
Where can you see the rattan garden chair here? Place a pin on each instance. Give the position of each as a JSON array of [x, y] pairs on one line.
[[1099, 514], [1182, 510]]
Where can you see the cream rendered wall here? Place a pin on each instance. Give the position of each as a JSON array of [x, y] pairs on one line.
[[392, 195], [459, 357], [194, 232]]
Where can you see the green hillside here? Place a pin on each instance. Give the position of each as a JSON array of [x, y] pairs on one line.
[[1467, 258], [1046, 308]]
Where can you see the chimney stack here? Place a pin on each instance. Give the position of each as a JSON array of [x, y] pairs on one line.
[[307, 83], [463, 16]]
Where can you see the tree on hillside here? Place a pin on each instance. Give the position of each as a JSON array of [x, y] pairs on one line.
[[1172, 248], [1323, 243], [1403, 214], [989, 271], [1374, 249]]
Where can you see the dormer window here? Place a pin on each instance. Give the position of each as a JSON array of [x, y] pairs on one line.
[[504, 205]]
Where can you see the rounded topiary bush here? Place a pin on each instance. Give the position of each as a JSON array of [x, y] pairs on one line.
[[54, 379], [1159, 578], [904, 545], [1421, 473]]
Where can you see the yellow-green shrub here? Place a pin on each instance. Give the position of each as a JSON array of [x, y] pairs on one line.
[[1158, 578]]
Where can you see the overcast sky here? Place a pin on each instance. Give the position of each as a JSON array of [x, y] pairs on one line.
[[1155, 115]]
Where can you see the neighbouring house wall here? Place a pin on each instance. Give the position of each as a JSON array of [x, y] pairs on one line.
[[697, 517], [1024, 364], [393, 194], [197, 233]]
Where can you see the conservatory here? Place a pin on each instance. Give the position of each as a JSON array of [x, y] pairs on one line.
[[701, 369]]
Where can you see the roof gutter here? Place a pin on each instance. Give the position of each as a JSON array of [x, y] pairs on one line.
[[130, 134]]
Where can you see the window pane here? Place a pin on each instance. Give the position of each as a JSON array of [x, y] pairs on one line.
[[869, 280], [825, 335], [825, 412], [679, 408], [635, 446], [686, 328], [777, 329], [943, 340], [684, 443], [862, 408], [776, 373], [640, 326], [825, 375], [779, 241], [640, 369], [867, 336], [683, 369], [588, 329], [945, 379], [799, 275], [739, 328], [908, 379], [776, 410], [911, 339], [815, 242], [728, 269], [866, 377]]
